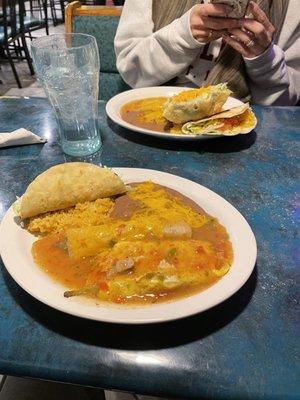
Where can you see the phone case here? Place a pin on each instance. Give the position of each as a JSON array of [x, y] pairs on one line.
[[239, 7]]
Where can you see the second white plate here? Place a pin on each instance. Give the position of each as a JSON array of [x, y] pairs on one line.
[[114, 105]]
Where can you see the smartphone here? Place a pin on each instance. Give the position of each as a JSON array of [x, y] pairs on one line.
[[239, 7]]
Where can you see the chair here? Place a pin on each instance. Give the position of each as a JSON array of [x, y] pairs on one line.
[[36, 16], [57, 5], [100, 22], [12, 31]]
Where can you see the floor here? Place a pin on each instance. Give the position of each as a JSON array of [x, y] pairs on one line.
[[12, 388], [28, 389], [8, 87]]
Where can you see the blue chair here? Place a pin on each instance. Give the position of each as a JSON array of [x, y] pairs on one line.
[[100, 22]]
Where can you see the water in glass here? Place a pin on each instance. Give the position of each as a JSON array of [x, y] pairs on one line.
[[68, 68]]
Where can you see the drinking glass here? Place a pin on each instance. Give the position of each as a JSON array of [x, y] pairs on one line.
[[67, 66]]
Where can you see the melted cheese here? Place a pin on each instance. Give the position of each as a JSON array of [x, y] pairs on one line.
[[190, 94], [157, 212], [159, 202]]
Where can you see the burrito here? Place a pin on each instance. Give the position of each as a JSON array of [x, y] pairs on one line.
[[232, 122], [65, 185], [194, 104]]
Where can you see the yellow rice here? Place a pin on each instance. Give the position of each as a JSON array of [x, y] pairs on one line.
[[83, 214]]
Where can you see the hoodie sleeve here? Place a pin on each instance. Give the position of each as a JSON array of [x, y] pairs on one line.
[[145, 58], [274, 76]]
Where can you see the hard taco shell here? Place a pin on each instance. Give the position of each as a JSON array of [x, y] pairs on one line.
[[65, 185]]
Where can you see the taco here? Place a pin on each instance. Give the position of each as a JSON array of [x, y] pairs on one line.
[[232, 122], [194, 104], [65, 185]]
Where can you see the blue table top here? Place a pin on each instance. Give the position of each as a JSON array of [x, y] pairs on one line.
[[245, 348]]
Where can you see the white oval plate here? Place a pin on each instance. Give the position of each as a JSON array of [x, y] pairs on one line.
[[15, 249], [114, 105]]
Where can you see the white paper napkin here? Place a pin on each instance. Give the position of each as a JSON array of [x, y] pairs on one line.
[[19, 137]]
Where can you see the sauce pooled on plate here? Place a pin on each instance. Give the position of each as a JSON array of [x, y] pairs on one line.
[[155, 245]]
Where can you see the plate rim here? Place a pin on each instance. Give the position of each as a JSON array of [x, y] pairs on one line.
[[141, 320], [113, 114]]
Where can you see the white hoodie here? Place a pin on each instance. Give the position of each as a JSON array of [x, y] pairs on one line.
[[145, 58]]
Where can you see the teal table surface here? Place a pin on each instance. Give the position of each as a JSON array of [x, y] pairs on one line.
[[245, 348]]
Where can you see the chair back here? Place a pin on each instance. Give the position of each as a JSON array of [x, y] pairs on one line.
[[100, 22], [12, 18], [37, 11]]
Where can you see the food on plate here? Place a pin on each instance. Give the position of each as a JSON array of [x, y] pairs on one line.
[[194, 104], [128, 244], [65, 185], [136, 271], [153, 216], [150, 244], [150, 113], [237, 120], [89, 213]]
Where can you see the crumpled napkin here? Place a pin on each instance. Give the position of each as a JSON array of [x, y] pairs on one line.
[[19, 137]]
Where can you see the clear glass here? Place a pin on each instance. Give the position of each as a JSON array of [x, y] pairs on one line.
[[67, 66]]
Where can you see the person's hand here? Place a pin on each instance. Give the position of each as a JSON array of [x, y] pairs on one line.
[[254, 36], [207, 24]]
